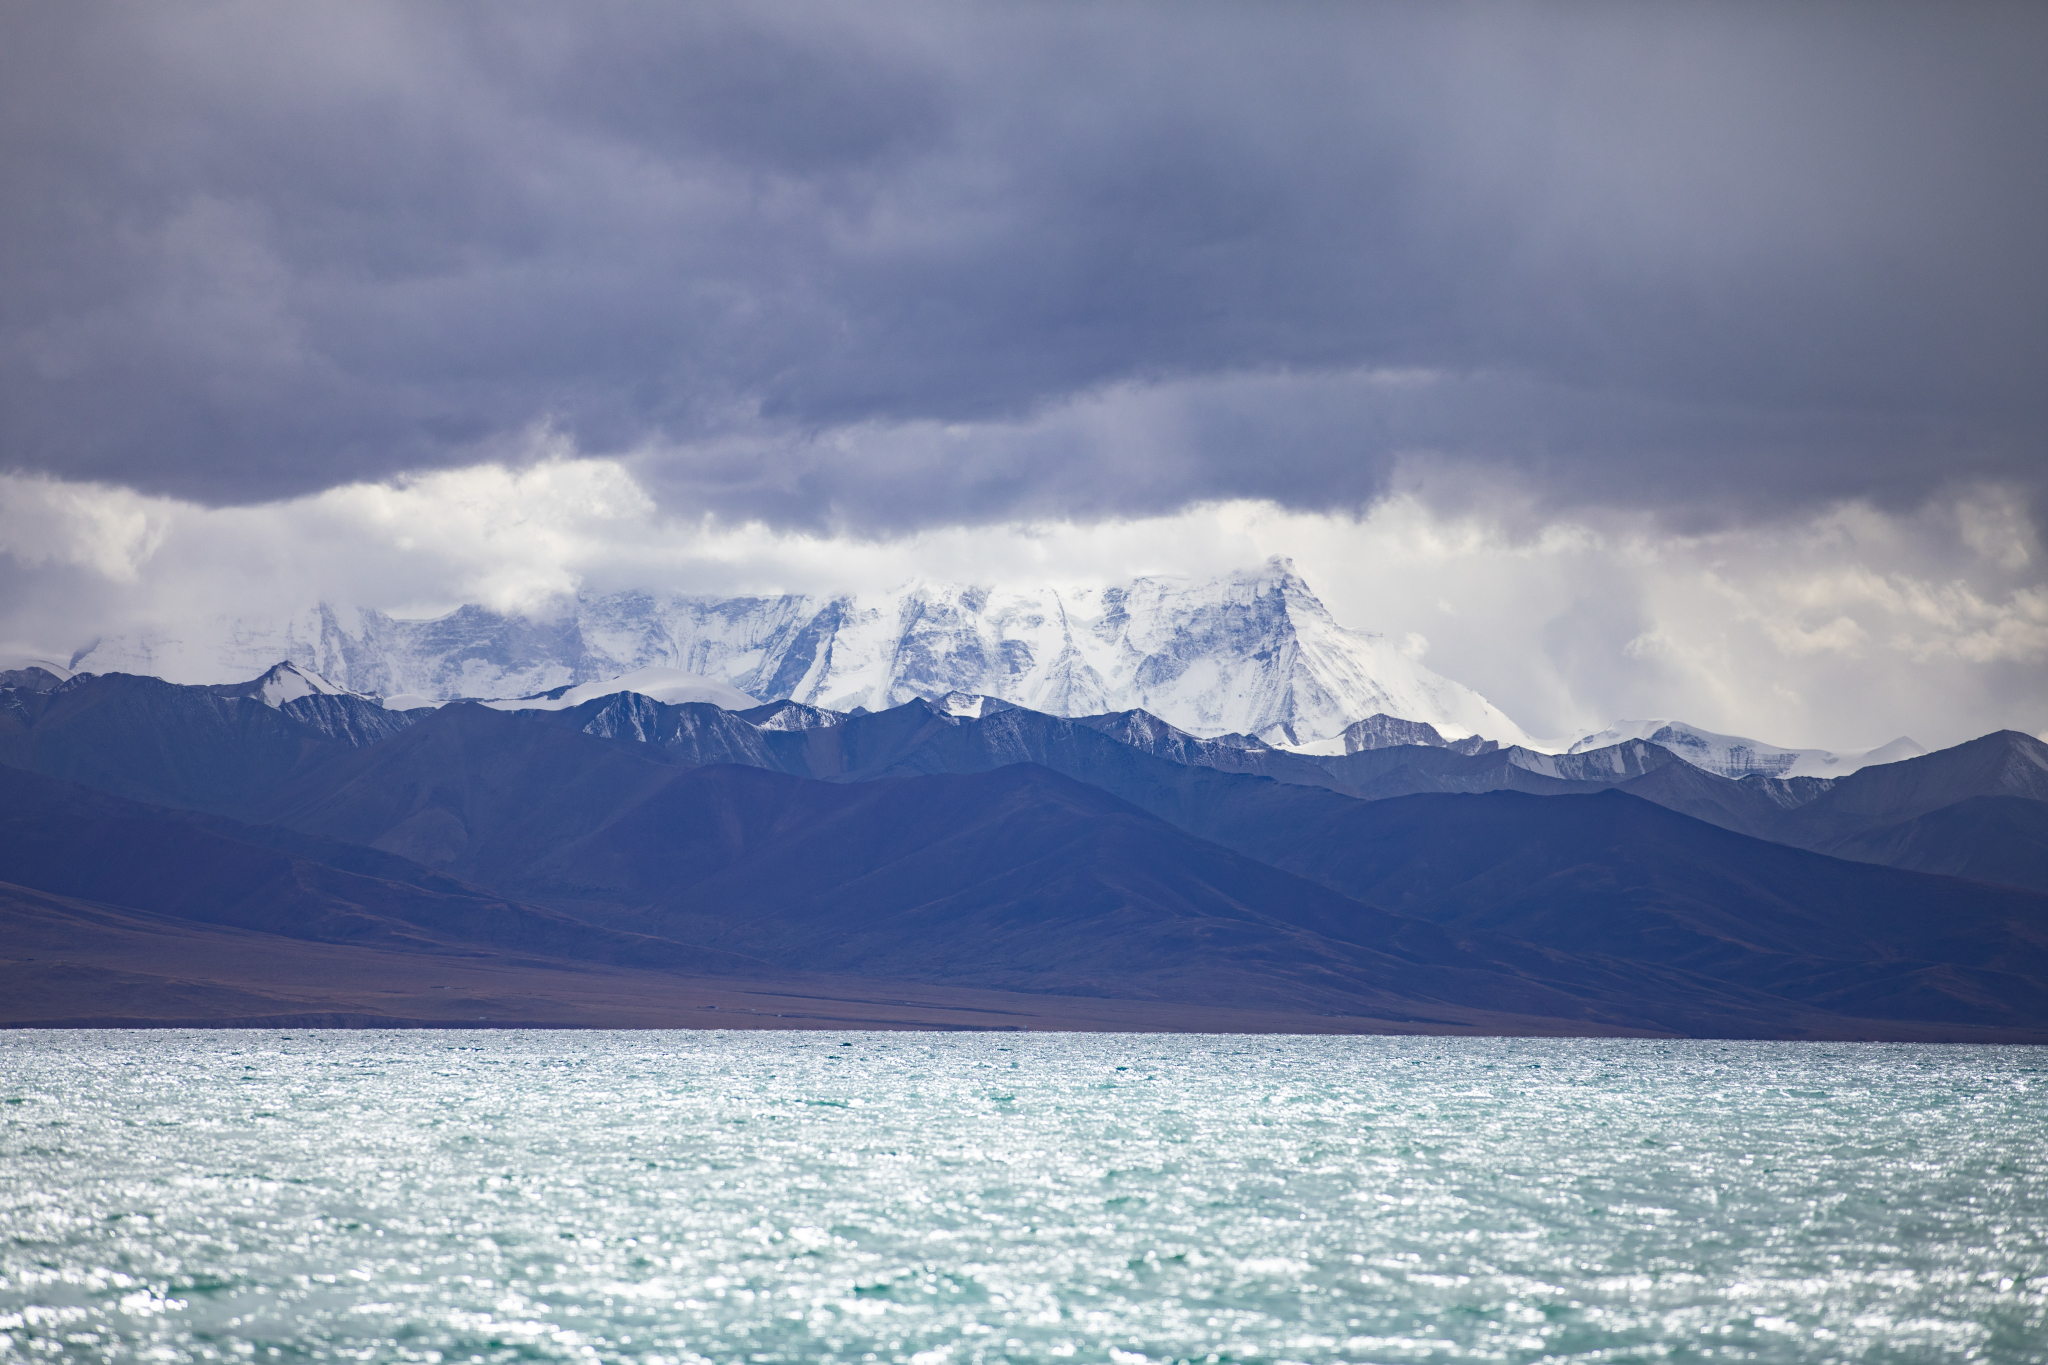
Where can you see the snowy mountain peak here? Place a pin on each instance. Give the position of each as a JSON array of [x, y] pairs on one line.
[[28, 673], [1736, 757], [33, 663], [791, 715], [969, 706], [1253, 652], [1386, 732], [671, 686], [286, 681]]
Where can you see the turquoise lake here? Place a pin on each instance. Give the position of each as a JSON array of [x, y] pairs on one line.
[[942, 1199]]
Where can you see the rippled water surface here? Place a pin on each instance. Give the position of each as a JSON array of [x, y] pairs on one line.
[[946, 1198]]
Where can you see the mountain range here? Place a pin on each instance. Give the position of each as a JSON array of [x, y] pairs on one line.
[[291, 848], [1252, 653], [1255, 652]]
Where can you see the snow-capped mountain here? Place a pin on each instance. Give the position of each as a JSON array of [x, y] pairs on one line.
[[1734, 756], [670, 686], [286, 682], [1387, 732], [31, 673], [1254, 652]]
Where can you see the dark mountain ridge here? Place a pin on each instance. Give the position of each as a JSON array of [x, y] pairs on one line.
[[1586, 883], [184, 746], [1015, 879], [67, 840], [1619, 875], [1818, 813], [2003, 763], [1409, 769], [158, 742], [1106, 856], [1147, 733], [1998, 839]]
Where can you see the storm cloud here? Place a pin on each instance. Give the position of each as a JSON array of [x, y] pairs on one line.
[[889, 266]]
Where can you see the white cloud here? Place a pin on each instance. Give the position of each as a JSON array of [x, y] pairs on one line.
[[1843, 630], [111, 531]]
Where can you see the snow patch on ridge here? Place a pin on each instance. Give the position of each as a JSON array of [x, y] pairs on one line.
[[1735, 757], [286, 682], [289, 682], [21, 663], [670, 686]]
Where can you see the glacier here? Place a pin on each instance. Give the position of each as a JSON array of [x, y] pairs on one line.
[[1254, 652]]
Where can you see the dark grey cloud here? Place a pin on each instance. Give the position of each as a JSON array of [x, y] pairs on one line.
[[888, 265]]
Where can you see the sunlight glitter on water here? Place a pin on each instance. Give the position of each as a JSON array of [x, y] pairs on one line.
[[672, 1197]]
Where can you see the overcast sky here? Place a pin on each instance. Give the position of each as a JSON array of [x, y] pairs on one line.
[[1685, 359]]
